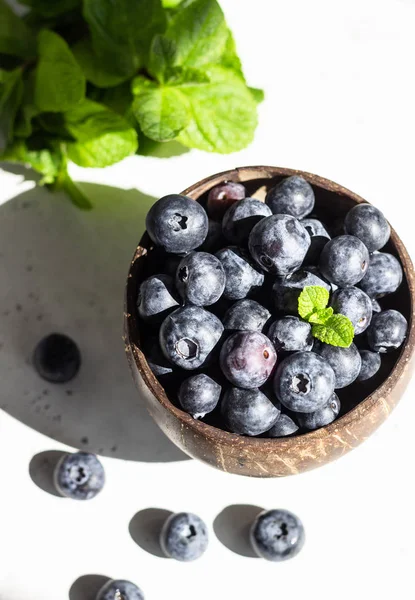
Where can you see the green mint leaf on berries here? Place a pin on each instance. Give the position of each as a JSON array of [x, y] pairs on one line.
[[312, 299], [337, 331], [319, 317]]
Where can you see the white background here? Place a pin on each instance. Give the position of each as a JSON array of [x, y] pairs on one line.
[[339, 102]]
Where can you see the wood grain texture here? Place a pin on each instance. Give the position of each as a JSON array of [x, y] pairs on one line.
[[261, 457]]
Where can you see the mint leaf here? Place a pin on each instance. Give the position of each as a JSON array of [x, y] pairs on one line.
[[230, 58], [44, 161], [257, 94], [311, 299], [16, 38], [11, 91], [337, 331], [102, 136], [122, 31], [161, 111], [60, 83], [95, 70], [321, 316]]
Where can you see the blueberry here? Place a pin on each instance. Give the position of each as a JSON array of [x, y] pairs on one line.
[[199, 395], [279, 244], [57, 358], [319, 238], [387, 331], [283, 427], [188, 336], [222, 196], [376, 307], [290, 334], [304, 382], [293, 196], [247, 359], [242, 276], [241, 217], [120, 589], [277, 535], [287, 290], [214, 240], [156, 360], [383, 276], [321, 417], [345, 362], [369, 225], [246, 315], [184, 537], [344, 260], [79, 476], [200, 278], [156, 298], [177, 224], [248, 412], [353, 303], [371, 362]]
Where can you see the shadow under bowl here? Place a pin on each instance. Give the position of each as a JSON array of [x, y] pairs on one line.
[[364, 405]]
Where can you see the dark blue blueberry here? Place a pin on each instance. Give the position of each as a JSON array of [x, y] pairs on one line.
[[79, 476], [247, 359], [376, 307], [290, 334], [157, 362], [222, 196], [304, 382], [369, 225], [293, 196], [321, 417], [120, 589], [277, 535], [287, 290], [353, 303], [279, 244], [177, 224], [345, 362], [156, 298], [188, 336], [242, 276], [246, 315], [387, 331], [371, 362], [241, 217], [248, 412], [214, 240], [319, 238], [184, 537], [57, 358], [383, 276], [200, 278], [283, 427], [344, 260], [199, 395]]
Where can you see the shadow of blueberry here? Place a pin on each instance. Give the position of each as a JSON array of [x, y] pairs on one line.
[[87, 587], [232, 526], [145, 528], [41, 469]]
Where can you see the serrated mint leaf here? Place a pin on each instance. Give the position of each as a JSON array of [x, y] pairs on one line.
[[16, 38], [60, 83], [95, 70], [11, 92], [161, 111], [117, 98], [337, 331], [52, 8], [311, 299], [122, 31], [230, 58], [321, 316], [102, 136], [257, 94], [44, 161]]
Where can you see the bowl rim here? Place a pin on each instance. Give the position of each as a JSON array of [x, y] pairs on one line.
[[243, 174]]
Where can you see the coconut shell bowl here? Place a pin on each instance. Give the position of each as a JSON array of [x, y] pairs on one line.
[[365, 405]]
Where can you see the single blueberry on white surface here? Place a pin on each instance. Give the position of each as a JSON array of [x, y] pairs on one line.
[[277, 535], [57, 358], [79, 476], [184, 537], [120, 589]]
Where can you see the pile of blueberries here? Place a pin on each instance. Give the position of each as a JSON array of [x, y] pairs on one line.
[[221, 301]]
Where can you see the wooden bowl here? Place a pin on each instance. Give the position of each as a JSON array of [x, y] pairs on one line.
[[364, 405]]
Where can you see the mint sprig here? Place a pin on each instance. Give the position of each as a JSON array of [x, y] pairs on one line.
[[333, 329]]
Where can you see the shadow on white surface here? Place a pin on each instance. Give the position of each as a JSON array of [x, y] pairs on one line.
[[145, 528], [63, 270], [87, 587], [232, 527], [42, 468]]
